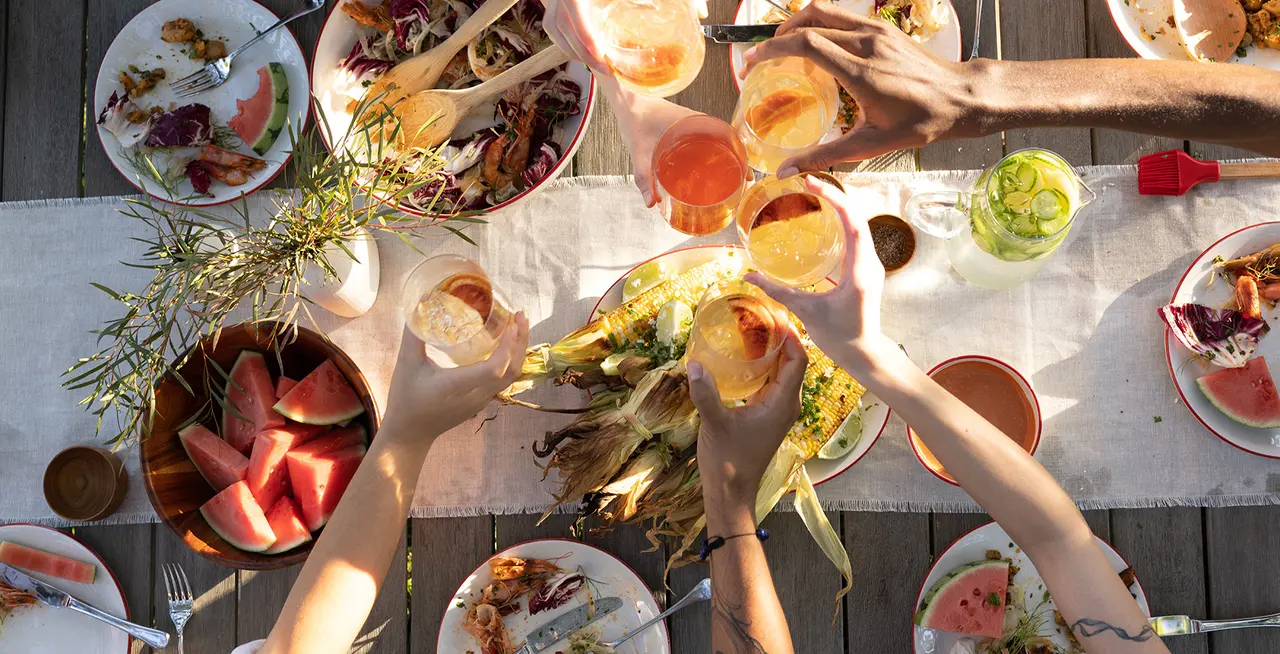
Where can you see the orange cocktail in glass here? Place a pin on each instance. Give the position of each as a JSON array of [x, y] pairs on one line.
[[787, 105], [701, 169], [655, 47]]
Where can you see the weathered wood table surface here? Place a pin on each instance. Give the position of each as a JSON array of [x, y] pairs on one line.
[[1217, 562]]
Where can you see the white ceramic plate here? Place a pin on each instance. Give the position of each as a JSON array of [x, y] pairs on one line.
[[40, 629], [945, 44], [237, 21], [1193, 288], [1144, 25], [973, 547], [340, 33], [875, 413], [611, 577]]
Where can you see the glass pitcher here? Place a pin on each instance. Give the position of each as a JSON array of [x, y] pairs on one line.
[[1001, 233]]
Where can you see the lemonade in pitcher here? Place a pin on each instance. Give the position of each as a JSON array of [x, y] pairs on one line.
[[1019, 211]]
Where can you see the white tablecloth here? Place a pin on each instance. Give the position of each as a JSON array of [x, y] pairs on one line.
[[1085, 331]]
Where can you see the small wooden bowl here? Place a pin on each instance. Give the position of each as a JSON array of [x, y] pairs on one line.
[[902, 226], [85, 483], [176, 489]]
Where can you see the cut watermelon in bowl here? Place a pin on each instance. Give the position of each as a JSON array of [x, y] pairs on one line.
[[174, 484]]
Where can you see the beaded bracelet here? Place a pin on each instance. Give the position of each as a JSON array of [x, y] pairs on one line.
[[716, 542]]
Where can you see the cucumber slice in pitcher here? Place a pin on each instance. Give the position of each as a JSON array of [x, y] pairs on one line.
[[1049, 205], [1051, 227], [1027, 177], [1017, 201]]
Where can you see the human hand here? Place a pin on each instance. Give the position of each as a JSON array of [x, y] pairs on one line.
[[643, 120], [849, 314], [571, 25], [736, 444], [425, 398], [906, 97]]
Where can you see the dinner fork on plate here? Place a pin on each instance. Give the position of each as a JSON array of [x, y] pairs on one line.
[[216, 72], [181, 601]]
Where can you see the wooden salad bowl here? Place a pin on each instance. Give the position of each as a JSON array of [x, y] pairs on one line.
[[176, 489]]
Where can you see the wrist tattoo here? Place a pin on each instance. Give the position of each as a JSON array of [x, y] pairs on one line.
[[727, 618], [1088, 628]]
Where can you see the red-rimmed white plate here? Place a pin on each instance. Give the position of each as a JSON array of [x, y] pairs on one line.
[[610, 578], [332, 94], [236, 21], [875, 414], [1144, 24], [41, 629], [1194, 288], [1017, 377], [972, 547], [945, 44]]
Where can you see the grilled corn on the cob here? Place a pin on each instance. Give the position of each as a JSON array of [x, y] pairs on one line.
[[828, 397]]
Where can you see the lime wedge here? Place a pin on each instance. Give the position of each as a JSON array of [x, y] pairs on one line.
[[675, 318], [644, 278], [844, 440], [610, 364]]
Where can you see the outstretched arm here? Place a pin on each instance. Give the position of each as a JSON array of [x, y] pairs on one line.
[[1011, 485], [333, 596], [908, 98]]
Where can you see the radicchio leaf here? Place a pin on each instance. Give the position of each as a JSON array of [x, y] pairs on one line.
[[462, 154], [1224, 337], [197, 171], [540, 164], [412, 19], [360, 62], [187, 126], [556, 593], [114, 118], [443, 191], [529, 13]]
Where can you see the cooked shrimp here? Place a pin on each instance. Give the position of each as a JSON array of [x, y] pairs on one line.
[[485, 623], [505, 594], [506, 568], [1247, 299], [375, 16], [228, 176], [228, 159]]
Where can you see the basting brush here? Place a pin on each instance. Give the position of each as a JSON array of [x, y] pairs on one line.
[[1174, 172]]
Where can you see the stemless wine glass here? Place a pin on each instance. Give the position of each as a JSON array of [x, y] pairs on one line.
[[701, 170], [787, 105], [791, 235], [452, 306], [655, 47], [737, 335]]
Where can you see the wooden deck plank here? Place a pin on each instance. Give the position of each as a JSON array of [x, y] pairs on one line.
[[690, 628], [1166, 549], [446, 551], [212, 629], [129, 550], [104, 22], [806, 582], [890, 553], [968, 154], [1054, 30], [261, 596], [44, 84], [1113, 146], [1241, 550], [386, 631], [4, 21]]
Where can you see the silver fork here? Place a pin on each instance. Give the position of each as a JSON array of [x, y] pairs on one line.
[[977, 31], [700, 593], [216, 72], [181, 601]]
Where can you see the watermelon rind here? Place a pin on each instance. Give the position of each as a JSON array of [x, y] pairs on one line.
[[220, 464], [324, 397], [1247, 395], [932, 613], [286, 522], [263, 132], [235, 516], [251, 392]]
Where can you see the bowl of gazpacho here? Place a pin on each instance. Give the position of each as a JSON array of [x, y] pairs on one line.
[[997, 392]]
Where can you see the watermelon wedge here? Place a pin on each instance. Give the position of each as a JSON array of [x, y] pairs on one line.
[[286, 523], [260, 119], [251, 392], [220, 464], [323, 397], [284, 385], [338, 439], [968, 600], [235, 516], [45, 563], [267, 474], [319, 480], [1246, 395]]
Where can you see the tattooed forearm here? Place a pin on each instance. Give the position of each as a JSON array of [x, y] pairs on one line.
[[1088, 628], [726, 618]]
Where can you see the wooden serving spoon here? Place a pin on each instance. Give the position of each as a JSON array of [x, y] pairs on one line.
[[423, 71], [1211, 30], [427, 118]]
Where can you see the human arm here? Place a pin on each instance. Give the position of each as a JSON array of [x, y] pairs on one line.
[[909, 98], [1009, 484], [338, 585], [735, 446]]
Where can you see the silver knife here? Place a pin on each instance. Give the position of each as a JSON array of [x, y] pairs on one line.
[[1178, 625], [63, 600], [739, 33], [562, 627]]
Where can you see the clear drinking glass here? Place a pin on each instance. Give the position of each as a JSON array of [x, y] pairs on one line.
[[787, 105], [655, 47], [736, 336], [452, 306], [791, 235], [701, 170], [1001, 232]]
